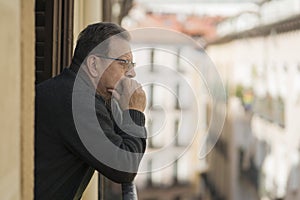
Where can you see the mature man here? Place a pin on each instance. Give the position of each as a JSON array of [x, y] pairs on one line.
[[90, 117]]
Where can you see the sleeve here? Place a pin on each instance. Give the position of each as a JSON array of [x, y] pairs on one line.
[[91, 136]]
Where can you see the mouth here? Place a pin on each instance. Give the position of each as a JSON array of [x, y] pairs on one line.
[[112, 88], [109, 90]]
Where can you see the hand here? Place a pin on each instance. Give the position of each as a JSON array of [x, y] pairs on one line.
[[129, 94]]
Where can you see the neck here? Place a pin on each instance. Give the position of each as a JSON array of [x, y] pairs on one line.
[[103, 93]]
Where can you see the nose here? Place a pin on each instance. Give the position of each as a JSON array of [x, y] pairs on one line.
[[130, 73]]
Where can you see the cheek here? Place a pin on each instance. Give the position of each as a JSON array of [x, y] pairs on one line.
[[115, 78], [110, 78]]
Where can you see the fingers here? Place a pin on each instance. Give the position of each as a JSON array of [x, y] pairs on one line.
[[115, 94], [126, 83], [129, 85], [129, 94]]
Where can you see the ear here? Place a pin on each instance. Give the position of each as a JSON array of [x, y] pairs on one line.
[[92, 66]]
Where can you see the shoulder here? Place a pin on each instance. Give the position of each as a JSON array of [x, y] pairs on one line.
[[61, 82]]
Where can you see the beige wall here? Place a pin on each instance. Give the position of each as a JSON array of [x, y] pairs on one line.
[[17, 93], [87, 12], [17, 99]]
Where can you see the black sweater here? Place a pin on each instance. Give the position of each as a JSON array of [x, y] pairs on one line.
[[66, 145]]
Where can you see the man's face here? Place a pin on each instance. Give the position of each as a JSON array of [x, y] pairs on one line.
[[106, 71], [115, 71]]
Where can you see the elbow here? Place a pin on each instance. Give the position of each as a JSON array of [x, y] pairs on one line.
[[126, 175]]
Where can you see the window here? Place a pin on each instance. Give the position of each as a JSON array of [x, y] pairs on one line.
[[150, 133], [178, 61], [177, 104], [176, 132], [149, 174], [54, 37], [151, 92], [175, 172], [152, 60]]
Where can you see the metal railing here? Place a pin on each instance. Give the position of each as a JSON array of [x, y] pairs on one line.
[[107, 190]]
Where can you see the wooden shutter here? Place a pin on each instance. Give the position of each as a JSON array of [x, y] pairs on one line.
[[54, 37]]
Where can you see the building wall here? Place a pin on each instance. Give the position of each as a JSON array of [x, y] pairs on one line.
[[270, 66], [174, 170], [87, 12], [17, 99]]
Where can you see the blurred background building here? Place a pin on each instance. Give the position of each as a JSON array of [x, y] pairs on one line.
[[254, 45], [170, 171], [256, 55]]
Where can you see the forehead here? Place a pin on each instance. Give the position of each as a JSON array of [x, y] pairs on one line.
[[119, 47]]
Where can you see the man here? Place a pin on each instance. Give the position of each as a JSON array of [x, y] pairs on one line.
[[90, 117]]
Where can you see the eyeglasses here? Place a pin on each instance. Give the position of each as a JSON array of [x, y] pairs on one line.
[[126, 63]]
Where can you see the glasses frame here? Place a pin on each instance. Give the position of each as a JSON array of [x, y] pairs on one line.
[[129, 65]]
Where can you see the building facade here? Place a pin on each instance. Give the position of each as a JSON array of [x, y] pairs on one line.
[[261, 69], [175, 105]]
